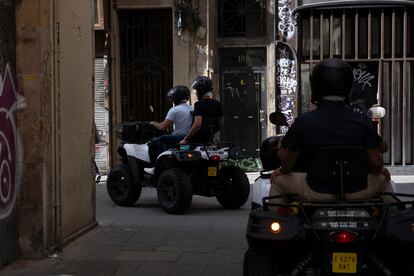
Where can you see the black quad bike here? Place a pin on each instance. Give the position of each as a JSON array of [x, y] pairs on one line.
[[180, 172], [336, 237]]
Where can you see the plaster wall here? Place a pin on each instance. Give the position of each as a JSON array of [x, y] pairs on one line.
[[36, 204], [54, 73], [76, 69]]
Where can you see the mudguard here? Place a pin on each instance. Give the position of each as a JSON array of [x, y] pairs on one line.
[[261, 189], [400, 225], [139, 151], [258, 227]]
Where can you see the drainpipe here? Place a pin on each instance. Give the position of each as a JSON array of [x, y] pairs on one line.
[[55, 126]]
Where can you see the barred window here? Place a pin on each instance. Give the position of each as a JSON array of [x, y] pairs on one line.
[[379, 44], [242, 18]]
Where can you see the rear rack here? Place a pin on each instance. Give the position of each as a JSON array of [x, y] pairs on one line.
[[376, 202]]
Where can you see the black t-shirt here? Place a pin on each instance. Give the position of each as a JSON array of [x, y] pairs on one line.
[[332, 124], [210, 111]]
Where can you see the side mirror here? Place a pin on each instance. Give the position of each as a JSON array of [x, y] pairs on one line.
[[376, 112], [278, 118]]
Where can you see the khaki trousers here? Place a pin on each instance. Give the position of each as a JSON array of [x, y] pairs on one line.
[[295, 183]]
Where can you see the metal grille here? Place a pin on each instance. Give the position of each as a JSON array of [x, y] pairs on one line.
[[381, 36], [146, 63], [101, 117], [241, 98], [242, 18]]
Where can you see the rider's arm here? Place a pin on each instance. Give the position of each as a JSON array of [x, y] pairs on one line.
[[376, 163], [221, 121], [163, 126], [281, 152], [194, 128], [288, 161]]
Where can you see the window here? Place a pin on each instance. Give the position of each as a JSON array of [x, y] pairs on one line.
[[242, 18]]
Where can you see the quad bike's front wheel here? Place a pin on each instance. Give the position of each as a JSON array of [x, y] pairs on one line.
[[174, 191], [120, 186], [234, 188]]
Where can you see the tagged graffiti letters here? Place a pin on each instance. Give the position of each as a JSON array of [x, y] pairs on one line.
[[286, 81], [286, 24], [363, 77]]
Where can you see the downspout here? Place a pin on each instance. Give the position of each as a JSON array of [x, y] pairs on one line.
[[55, 126], [208, 40]]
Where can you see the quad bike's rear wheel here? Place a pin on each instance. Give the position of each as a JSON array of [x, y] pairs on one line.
[[120, 186], [235, 187], [174, 191]]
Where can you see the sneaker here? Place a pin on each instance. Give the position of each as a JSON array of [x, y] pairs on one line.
[[97, 178], [149, 170]]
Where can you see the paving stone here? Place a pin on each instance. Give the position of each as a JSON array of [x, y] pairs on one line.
[[223, 269], [164, 256], [171, 269]]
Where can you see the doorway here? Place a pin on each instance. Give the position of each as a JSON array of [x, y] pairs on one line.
[[243, 95], [146, 63]]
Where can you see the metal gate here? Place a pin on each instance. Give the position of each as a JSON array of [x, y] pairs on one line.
[[146, 63], [240, 98], [241, 90], [381, 38]]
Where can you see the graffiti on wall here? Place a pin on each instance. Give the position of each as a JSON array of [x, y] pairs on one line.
[[286, 82], [365, 87], [10, 167], [250, 164], [286, 24]]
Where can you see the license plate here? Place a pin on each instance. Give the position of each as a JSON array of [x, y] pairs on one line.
[[212, 171], [344, 262]]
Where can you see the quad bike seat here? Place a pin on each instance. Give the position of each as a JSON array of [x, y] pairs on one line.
[[338, 170]]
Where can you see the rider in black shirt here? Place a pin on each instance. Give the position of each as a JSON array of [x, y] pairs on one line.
[[208, 115], [331, 124]]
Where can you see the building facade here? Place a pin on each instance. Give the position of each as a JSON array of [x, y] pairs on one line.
[[259, 54], [46, 136]]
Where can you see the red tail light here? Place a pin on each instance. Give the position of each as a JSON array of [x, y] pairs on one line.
[[344, 237], [215, 158], [285, 211]]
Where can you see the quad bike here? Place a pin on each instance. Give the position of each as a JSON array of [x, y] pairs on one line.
[[335, 237], [180, 172]]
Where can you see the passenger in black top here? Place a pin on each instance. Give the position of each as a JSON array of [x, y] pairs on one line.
[[208, 115], [332, 123]]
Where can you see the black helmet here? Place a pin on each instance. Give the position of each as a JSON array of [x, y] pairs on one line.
[[179, 93], [331, 77], [202, 85]]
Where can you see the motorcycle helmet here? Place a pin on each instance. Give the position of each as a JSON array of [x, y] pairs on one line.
[[202, 85], [179, 93], [331, 77]]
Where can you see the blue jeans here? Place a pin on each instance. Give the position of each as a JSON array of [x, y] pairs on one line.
[[161, 144]]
